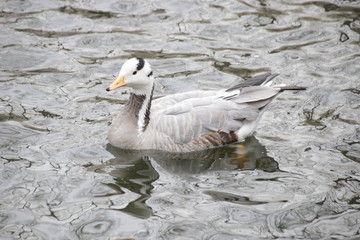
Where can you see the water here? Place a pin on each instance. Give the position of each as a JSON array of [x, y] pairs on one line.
[[299, 176]]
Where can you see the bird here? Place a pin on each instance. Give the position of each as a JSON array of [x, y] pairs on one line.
[[187, 121]]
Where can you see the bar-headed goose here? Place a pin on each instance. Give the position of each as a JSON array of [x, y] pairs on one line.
[[187, 121]]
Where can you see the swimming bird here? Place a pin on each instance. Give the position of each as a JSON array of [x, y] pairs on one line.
[[187, 121]]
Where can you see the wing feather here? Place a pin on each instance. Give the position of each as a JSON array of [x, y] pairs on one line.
[[253, 94], [185, 117]]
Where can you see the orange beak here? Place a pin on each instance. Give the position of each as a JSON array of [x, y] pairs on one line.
[[119, 82]]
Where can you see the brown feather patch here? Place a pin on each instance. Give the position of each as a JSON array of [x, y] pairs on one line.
[[219, 138]]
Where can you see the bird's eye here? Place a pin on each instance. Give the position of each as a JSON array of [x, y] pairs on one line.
[[135, 72]]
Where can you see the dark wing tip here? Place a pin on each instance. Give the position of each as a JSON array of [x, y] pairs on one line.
[[255, 81], [293, 88]]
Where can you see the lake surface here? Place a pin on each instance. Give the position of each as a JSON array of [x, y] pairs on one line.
[[298, 177]]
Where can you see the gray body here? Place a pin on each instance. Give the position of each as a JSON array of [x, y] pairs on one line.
[[195, 120]]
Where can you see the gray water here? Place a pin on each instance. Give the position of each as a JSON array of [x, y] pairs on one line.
[[59, 179]]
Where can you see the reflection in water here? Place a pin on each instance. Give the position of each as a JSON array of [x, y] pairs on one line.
[[248, 155], [134, 172], [229, 197], [133, 169]]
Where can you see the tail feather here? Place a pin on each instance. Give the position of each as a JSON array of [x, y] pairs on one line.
[[263, 80], [259, 80]]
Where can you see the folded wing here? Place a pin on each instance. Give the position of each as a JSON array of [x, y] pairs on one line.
[[186, 117]]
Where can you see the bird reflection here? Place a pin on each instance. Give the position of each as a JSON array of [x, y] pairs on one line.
[[132, 169], [248, 155]]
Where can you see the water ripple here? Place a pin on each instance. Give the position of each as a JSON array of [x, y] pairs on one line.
[[298, 177]]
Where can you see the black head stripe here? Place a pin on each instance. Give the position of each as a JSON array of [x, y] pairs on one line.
[[140, 64]]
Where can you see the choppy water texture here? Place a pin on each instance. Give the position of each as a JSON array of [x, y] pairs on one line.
[[300, 176]]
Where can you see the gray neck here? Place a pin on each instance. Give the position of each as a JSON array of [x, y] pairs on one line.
[[139, 106]]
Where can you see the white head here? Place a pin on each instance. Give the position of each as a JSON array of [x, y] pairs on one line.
[[135, 73]]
